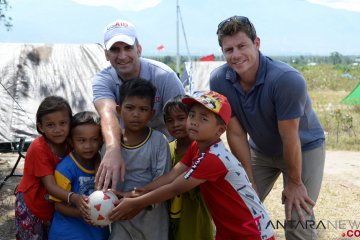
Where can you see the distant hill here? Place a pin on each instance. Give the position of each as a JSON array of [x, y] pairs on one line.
[[285, 27]]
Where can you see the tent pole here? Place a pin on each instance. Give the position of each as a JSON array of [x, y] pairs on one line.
[[177, 38]]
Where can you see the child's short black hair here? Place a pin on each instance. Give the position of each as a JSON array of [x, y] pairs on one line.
[[173, 104], [85, 117], [137, 87], [49, 105]]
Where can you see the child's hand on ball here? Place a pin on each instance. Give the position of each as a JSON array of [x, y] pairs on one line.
[[85, 209]]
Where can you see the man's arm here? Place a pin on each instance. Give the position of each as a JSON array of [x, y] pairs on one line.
[[129, 207], [239, 146], [112, 166], [294, 192]]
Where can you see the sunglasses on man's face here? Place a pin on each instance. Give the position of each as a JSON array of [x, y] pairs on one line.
[[239, 19]]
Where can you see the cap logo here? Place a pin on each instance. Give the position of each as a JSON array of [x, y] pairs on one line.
[[118, 24], [211, 102]]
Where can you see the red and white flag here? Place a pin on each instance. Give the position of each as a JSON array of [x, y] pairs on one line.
[[160, 47], [210, 57]]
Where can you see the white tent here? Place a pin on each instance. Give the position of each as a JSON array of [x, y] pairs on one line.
[[30, 72], [197, 74]]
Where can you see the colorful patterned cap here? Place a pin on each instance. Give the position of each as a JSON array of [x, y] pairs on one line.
[[213, 101]]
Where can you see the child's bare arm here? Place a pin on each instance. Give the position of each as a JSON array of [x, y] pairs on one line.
[[56, 191], [129, 207], [167, 178], [53, 189], [71, 211], [67, 210], [158, 182]]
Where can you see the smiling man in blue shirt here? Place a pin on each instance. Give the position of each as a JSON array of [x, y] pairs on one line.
[[271, 105]]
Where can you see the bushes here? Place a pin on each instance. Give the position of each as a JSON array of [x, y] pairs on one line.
[[328, 84]]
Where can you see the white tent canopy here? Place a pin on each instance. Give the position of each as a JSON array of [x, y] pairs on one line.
[[30, 72], [196, 75]]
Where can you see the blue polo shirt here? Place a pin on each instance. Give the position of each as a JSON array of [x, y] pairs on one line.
[[72, 175], [280, 93]]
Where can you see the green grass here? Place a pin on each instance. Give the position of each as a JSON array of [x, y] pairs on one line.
[[330, 77], [327, 87]]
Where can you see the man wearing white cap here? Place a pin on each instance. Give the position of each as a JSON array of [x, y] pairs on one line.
[[123, 51]]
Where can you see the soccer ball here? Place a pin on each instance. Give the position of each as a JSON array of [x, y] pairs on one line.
[[101, 203]]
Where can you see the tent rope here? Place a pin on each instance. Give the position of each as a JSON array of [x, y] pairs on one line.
[[17, 103]]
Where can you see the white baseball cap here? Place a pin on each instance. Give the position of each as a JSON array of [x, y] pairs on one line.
[[119, 31]]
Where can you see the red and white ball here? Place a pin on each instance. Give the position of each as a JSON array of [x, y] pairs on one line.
[[101, 203]]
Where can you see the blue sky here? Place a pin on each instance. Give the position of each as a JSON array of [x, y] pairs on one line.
[[285, 27]]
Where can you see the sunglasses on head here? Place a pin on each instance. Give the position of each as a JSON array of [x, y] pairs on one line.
[[239, 19]]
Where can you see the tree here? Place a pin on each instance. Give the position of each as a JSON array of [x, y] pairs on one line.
[[4, 19], [335, 58]]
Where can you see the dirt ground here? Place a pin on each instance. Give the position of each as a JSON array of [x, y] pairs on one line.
[[337, 210]]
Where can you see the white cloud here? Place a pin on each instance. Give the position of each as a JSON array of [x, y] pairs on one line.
[[123, 5], [349, 5]]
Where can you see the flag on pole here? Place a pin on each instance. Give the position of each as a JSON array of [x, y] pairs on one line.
[[160, 47], [210, 57]]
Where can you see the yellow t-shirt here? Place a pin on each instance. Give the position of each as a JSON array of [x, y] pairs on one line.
[[189, 216]]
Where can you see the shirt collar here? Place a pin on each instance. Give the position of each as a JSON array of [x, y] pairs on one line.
[[261, 72]]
